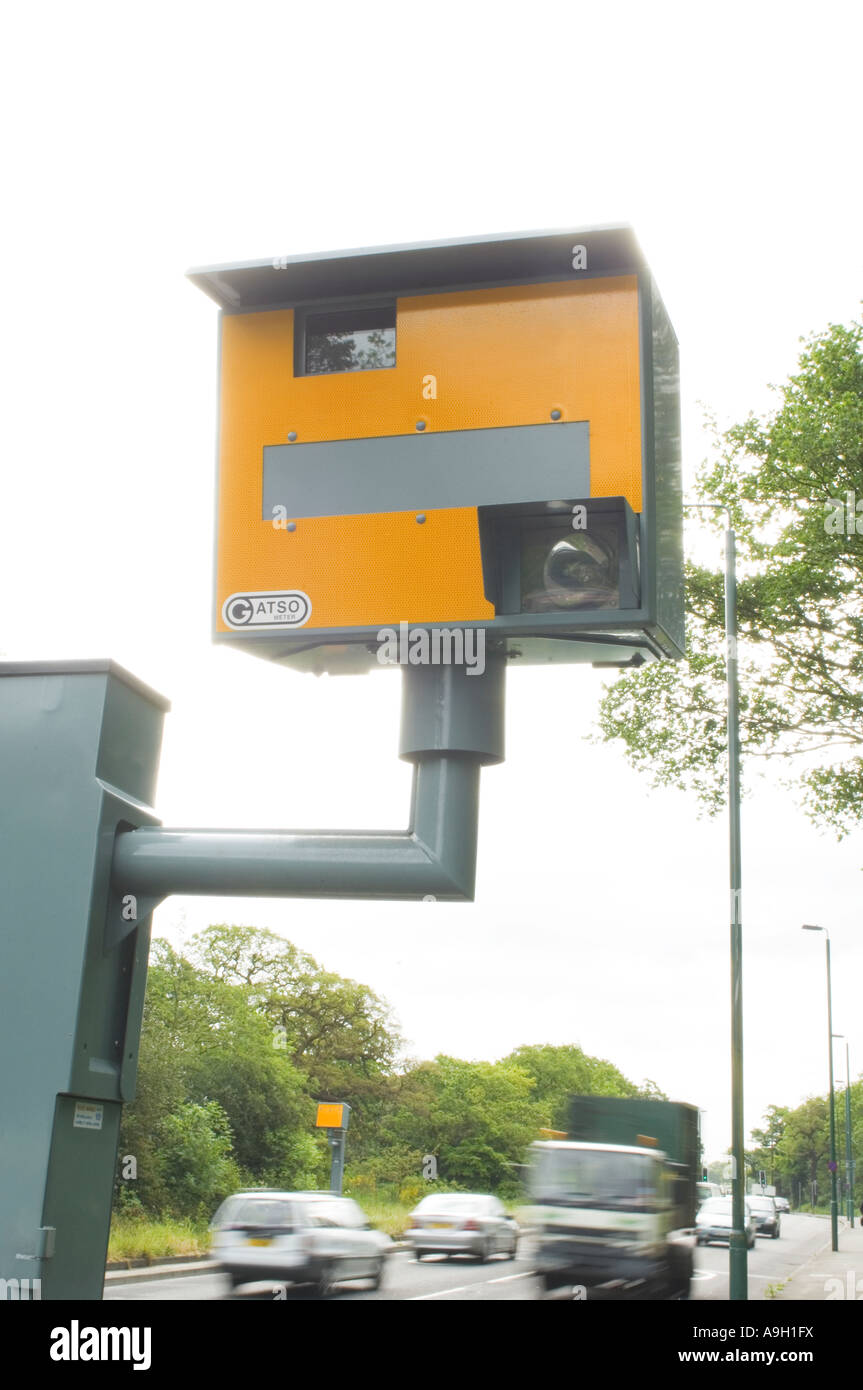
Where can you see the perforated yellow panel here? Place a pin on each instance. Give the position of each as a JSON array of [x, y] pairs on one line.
[[329, 1116], [498, 357]]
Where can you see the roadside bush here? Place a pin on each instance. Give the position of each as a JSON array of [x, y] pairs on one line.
[[198, 1171]]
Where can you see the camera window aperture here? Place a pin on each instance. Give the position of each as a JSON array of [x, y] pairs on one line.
[[360, 339]]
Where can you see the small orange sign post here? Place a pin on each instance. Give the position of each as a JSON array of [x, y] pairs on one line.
[[334, 1117]]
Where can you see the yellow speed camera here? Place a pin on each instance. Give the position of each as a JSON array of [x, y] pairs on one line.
[[481, 434]]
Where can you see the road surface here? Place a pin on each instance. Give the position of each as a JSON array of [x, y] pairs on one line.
[[441, 1280]]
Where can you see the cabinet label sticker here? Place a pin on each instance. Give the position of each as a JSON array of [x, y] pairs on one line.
[[87, 1116], [287, 608]]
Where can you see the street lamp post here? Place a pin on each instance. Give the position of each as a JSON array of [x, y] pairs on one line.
[[848, 1132], [834, 1203], [849, 1161], [738, 1280], [737, 1260], [849, 1190]]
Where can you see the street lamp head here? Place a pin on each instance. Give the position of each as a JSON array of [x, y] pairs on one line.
[[807, 926]]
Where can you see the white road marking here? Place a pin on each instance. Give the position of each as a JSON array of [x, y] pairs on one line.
[[441, 1293], [464, 1288]]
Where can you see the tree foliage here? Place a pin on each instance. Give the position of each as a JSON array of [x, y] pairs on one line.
[[793, 1147], [793, 484], [474, 1118], [561, 1072], [337, 1034]]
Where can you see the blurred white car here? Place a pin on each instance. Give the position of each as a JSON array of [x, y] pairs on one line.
[[462, 1223], [297, 1237]]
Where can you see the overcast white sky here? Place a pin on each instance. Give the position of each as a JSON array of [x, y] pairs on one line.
[[140, 142]]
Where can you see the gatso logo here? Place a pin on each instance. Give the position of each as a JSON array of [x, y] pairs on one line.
[[289, 609]]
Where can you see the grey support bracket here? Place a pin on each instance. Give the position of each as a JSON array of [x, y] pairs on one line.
[[452, 725]]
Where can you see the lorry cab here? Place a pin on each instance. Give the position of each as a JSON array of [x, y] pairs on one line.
[[603, 1214], [587, 1176]]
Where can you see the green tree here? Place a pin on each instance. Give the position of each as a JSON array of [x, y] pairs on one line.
[[330, 1024], [475, 1118], [337, 1032], [561, 1072], [789, 481], [198, 1170], [205, 1043], [764, 1157], [804, 1148]]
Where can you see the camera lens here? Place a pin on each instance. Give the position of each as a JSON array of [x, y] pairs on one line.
[[568, 570], [580, 572]]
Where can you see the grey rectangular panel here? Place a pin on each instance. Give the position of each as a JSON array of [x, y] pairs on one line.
[[424, 472]]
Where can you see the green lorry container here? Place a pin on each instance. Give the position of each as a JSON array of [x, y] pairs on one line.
[[666, 1125]]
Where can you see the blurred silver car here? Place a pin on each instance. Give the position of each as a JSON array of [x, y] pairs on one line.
[[297, 1237], [713, 1222], [462, 1223], [766, 1213]]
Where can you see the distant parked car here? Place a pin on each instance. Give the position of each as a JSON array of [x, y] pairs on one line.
[[766, 1213], [462, 1223], [297, 1237], [782, 1203], [713, 1221], [705, 1190]]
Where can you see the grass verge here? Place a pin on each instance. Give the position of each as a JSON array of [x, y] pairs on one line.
[[156, 1239]]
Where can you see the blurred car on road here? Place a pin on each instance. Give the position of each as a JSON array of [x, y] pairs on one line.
[[462, 1223], [782, 1203], [297, 1237], [706, 1190], [713, 1221], [766, 1213]]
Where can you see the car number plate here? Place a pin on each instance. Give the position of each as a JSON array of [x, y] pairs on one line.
[[258, 1240], [441, 1225]]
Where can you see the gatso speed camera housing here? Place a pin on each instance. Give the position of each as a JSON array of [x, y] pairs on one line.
[[472, 434]]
